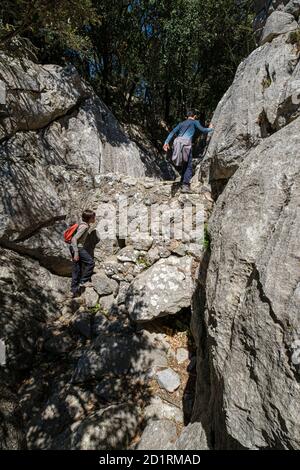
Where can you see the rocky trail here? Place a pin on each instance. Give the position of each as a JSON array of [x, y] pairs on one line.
[[109, 372], [181, 342]]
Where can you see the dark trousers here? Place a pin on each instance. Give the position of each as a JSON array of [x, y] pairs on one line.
[[187, 170], [82, 270]]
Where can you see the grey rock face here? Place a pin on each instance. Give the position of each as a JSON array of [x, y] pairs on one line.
[[278, 23], [91, 297], [47, 93], [117, 354], [123, 288], [103, 430], [261, 100], [163, 289], [128, 254], [168, 379], [192, 437], [142, 243], [104, 285], [58, 343], [253, 301], [107, 303], [158, 409], [158, 435], [82, 323], [293, 7], [30, 295], [108, 355], [264, 9], [48, 425], [58, 138], [11, 437], [42, 93], [100, 324], [248, 331], [110, 389], [151, 358]]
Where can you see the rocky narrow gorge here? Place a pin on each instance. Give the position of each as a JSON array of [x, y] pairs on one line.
[[178, 343]]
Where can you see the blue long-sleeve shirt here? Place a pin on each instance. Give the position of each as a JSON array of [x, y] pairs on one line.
[[187, 130]]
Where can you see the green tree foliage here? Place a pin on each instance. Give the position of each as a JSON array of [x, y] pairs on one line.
[[51, 25], [160, 57], [150, 60]]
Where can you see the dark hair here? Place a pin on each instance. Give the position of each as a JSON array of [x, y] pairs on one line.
[[87, 215], [191, 113]]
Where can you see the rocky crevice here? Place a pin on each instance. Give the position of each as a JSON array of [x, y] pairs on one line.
[[34, 230], [72, 111], [73, 359], [84, 355], [249, 321], [55, 143]]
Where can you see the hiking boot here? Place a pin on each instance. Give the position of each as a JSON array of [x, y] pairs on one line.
[[185, 188], [3, 111], [76, 294], [73, 294], [69, 296], [84, 285]]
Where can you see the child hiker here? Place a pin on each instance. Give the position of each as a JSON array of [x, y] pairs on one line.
[[83, 263], [182, 153]]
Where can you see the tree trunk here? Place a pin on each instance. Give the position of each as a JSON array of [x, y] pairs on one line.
[[167, 103]]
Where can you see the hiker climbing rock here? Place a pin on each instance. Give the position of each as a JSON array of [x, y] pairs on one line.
[[182, 146], [83, 263]]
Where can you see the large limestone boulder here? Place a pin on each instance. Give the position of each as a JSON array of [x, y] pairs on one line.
[[192, 437], [278, 23], [30, 295], [37, 94], [11, 437], [119, 353], [158, 435], [163, 289], [252, 316], [247, 334], [56, 140], [110, 428], [292, 7], [264, 9], [263, 98]]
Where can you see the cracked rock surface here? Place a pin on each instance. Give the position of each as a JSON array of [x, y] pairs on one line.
[[262, 99], [56, 141], [248, 376], [252, 315], [82, 373]]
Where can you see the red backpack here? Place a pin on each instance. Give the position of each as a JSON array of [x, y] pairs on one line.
[[70, 232]]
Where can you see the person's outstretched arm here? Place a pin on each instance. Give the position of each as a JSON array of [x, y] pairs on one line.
[[205, 130], [170, 137]]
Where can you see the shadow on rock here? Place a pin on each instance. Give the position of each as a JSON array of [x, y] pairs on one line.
[[92, 396]]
